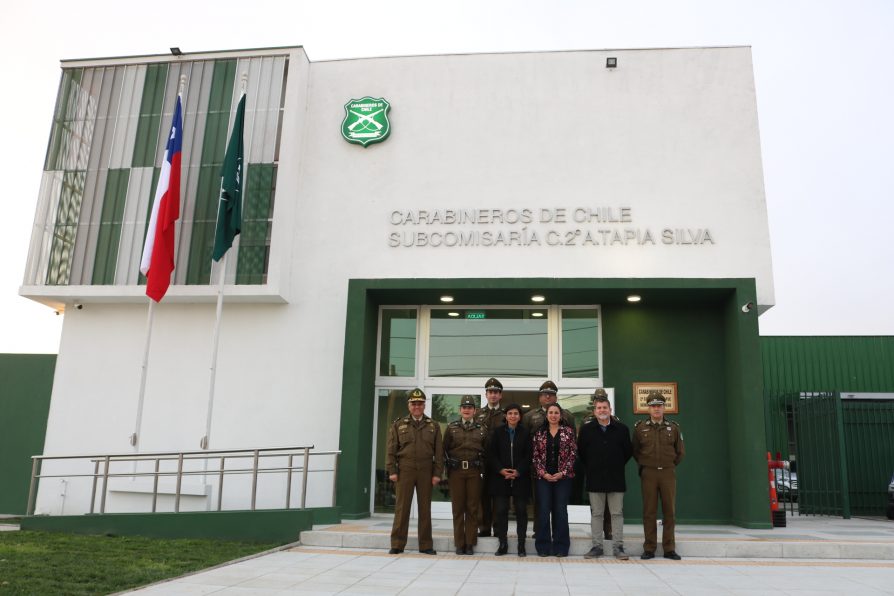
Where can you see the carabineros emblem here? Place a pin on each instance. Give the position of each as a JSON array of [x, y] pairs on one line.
[[366, 121]]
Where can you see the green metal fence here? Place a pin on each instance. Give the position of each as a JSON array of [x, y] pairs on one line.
[[842, 450], [869, 445]]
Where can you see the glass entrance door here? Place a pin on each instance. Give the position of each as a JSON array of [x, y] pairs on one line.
[[442, 406]]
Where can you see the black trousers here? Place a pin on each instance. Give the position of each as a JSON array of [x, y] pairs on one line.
[[501, 516]]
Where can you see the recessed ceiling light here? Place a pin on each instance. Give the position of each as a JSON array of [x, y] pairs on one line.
[[536, 314], [453, 314], [446, 298], [634, 298], [538, 298]]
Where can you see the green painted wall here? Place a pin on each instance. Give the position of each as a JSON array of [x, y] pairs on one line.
[[691, 331], [826, 363], [27, 384], [276, 525]]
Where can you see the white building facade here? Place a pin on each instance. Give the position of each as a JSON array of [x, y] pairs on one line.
[[494, 178]]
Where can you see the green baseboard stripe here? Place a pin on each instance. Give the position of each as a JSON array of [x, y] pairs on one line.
[[276, 525]]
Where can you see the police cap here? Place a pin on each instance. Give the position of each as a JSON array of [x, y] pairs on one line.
[[549, 387], [493, 384], [600, 393], [416, 395], [469, 400], [655, 399]]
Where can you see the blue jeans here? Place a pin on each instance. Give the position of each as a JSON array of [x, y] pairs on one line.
[[552, 517]]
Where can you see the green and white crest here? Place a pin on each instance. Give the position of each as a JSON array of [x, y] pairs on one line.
[[366, 121]]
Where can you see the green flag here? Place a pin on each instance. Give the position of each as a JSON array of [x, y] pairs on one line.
[[229, 209]]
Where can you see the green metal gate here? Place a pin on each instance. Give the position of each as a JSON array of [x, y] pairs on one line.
[[869, 444], [842, 450]]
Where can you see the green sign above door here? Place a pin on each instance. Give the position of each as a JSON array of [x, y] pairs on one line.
[[366, 121]]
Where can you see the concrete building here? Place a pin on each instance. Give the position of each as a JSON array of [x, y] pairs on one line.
[[376, 189]]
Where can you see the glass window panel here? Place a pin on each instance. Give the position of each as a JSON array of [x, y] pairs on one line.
[[391, 405], [110, 227], [488, 342], [397, 347], [208, 191], [149, 124], [580, 343], [257, 218], [65, 230]]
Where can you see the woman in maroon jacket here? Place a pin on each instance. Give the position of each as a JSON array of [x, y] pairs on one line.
[[554, 452], [509, 462]]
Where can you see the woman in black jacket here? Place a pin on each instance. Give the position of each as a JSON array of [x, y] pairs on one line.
[[509, 461]]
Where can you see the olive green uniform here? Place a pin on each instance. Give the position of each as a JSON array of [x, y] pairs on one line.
[[658, 449], [415, 453], [490, 419], [464, 451]]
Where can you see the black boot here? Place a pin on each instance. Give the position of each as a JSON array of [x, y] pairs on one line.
[[504, 547], [521, 549]]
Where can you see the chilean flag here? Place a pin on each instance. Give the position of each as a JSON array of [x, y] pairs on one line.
[[158, 251]]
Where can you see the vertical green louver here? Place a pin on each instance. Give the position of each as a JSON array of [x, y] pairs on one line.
[[257, 211], [214, 143], [149, 123], [111, 220], [65, 228], [66, 111]]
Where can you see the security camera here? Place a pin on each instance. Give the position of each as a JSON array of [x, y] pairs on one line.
[[79, 306], [747, 306]]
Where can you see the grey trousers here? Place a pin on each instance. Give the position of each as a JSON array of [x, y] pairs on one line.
[[615, 509]]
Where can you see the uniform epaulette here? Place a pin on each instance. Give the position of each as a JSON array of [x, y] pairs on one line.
[[674, 422], [401, 418], [638, 422]]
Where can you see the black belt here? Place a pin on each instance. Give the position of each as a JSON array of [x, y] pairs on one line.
[[463, 464]]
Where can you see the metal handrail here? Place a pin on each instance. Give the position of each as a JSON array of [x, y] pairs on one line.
[[105, 461]]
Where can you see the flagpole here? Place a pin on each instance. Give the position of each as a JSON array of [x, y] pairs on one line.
[[205, 441], [135, 437], [215, 340], [144, 368]]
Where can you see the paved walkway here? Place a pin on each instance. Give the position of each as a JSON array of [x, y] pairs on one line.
[[326, 570], [803, 537]]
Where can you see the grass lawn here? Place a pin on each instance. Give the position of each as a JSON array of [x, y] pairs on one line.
[[52, 563]]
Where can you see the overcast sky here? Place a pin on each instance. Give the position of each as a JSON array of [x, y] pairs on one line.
[[824, 72]]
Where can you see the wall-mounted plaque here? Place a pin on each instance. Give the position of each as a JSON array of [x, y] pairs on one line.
[[668, 390]]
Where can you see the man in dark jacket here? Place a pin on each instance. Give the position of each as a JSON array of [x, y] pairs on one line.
[[604, 448]]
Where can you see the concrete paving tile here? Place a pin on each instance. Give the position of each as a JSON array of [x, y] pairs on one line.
[[553, 591], [217, 578], [268, 582], [237, 591], [486, 589], [392, 583], [413, 590], [371, 590], [306, 592], [175, 588], [590, 590]]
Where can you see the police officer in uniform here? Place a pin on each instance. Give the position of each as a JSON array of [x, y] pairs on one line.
[[534, 419], [491, 417], [658, 449], [414, 460], [464, 442]]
